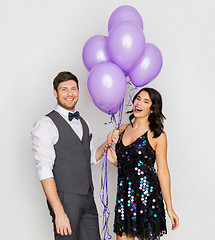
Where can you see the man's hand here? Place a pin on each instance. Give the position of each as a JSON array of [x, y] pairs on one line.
[[62, 224]]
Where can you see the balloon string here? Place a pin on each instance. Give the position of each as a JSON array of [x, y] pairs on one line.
[[113, 118], [128, 82], [104, 199], [131, 94], [104, 179], [120, 114]]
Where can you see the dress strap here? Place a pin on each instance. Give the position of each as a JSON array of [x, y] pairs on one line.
[[125, 128], [146, 133], [121, 134]]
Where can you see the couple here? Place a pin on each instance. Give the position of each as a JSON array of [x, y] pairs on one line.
[[63, 152]]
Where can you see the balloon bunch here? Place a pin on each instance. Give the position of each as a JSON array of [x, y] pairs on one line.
[[123, 53], [110, 60]]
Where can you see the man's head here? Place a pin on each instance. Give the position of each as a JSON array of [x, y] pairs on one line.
[[66, 90]]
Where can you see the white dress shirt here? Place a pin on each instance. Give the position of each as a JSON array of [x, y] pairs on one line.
[[45, 135]]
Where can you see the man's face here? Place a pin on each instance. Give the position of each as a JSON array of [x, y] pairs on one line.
[[67, 95]]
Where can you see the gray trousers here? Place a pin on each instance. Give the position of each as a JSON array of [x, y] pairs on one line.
[[82, 213]]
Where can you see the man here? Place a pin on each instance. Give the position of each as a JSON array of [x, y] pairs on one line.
[[63, 152]]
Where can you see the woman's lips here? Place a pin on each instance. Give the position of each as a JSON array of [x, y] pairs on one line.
[[138, 109]]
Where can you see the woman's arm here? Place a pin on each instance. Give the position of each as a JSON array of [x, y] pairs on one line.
[[164, 177], [111, 154]]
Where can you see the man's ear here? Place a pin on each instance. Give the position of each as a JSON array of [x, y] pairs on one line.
[[55, 93]]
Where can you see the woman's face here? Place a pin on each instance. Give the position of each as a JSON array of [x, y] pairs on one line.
[[142, 105]]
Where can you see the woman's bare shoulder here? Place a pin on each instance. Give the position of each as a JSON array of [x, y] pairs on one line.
[[162, 139], [122, 127]]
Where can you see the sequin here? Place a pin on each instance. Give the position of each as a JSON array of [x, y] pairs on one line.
[[139, 207]]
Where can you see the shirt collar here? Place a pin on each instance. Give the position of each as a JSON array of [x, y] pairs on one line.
[[62, 111]]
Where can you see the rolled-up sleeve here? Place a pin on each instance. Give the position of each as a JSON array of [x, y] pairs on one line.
[[93, 156], [44, 137], [92, 148]]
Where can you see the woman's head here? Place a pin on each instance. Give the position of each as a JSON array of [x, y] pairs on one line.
[[148, 103]]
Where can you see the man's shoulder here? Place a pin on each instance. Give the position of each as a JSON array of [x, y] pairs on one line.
[[53, 112], [43, 124]]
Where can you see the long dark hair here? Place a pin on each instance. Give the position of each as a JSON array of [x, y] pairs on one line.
[[156, 117]]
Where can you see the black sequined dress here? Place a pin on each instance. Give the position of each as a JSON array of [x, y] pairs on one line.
[[139, 207]]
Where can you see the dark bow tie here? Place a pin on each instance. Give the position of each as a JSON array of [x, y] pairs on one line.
[[73, 115]]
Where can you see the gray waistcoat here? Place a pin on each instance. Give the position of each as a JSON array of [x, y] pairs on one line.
[[72, 168]]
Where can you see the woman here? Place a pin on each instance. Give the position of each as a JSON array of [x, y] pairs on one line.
[[139, 207]]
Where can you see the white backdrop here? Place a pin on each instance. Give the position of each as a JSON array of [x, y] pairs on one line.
[[40, 38]]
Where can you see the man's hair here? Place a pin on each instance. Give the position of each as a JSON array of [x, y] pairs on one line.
[[63, 77]]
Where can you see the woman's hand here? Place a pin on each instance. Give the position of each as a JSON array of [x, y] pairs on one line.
[[173, 218], [111, 155], [113, 137]]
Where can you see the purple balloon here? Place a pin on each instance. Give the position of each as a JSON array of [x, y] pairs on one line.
[[125, 44], [94, 51], [107, 86], [113, 111], [125, 13], [148, 67]]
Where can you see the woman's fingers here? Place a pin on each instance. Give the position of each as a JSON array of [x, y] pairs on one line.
[[115, 136], [174, 221], [105, 149], [69, 230], [61, 231]]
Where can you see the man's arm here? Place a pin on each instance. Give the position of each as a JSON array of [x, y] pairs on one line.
[[44, 137], [61, 220]]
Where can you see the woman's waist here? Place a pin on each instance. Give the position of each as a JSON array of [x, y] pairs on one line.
[[135, 165]]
